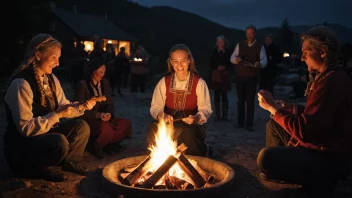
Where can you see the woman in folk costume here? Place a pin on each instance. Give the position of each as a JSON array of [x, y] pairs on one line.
[[35, 102], [220, 78], [139, 69], [182, 94], [106, 129]]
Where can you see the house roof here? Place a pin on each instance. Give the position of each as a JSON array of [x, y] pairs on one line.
[[90, 25]]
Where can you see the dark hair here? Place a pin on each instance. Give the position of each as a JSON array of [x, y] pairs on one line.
[[251, 27], [270, 36], [91, 67], [98, 43]]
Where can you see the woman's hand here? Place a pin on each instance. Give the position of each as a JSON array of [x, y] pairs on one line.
[[87, 105], [168, 119], [191, 119], [65, 111]]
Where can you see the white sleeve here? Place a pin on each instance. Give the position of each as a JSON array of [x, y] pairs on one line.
[[62, 100], [19, 98], [263, 60], [234, 55], [203, 101], [159, 98]]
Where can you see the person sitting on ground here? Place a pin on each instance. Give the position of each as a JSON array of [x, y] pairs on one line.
[[35, 138], [106, 129], [311, 145], [182, 94]]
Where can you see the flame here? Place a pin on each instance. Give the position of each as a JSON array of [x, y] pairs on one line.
[[164, 145], [163, 148]]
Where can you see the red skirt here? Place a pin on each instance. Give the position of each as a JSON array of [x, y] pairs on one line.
[[115, 130]]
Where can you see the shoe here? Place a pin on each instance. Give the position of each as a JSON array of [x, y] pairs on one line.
[[74, 168], [51, 175], [268, 178], [96, 151], [249, 128], [238, 126]]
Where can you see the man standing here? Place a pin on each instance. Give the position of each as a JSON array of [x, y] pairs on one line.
[[274, 56], [249, 56]]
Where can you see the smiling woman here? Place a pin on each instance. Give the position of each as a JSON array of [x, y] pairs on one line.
[[106, 129], [183, 95], [35, 102]]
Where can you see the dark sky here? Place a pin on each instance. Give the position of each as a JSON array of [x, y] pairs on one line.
[[262, 13]]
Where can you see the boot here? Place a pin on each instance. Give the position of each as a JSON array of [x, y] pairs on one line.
[[225, 107], [217, 111]]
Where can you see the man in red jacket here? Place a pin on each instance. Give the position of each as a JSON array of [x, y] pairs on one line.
[[312, 145]]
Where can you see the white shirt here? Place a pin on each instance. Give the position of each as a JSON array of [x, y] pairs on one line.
[[263, 59], [202, 92], [19, 98]]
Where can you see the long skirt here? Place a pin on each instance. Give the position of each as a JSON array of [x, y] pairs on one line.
[[106, 132]]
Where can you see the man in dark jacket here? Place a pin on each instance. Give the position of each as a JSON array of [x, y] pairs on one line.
[[274, 56]]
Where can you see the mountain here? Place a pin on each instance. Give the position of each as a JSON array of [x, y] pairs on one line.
[[344, 33], [159, 28]]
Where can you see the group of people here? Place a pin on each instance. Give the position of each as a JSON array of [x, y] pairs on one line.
[[122, 69], [308, 145], [44, 128], [254, 64]]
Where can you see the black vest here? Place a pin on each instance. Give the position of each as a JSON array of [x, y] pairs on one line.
[[37, 108], [248, 54]]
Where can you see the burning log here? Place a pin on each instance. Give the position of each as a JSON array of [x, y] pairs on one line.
[[187, 185], [122, 176], [173, 182], [208, 178], [191, 172], [160, 172], [164, 168], [137, 173]]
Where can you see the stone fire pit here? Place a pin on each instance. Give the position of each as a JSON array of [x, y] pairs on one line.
[[223, 175]]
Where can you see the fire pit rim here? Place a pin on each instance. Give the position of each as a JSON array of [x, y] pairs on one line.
[[227, 179]]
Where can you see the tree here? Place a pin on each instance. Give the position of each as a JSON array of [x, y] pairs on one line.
[[287, 36]]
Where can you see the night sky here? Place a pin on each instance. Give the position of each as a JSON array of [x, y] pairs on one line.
[[263, 13]]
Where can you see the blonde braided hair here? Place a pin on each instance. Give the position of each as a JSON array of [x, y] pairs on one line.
[[39, 43]]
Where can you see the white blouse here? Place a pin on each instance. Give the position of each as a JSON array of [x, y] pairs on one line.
[[202, 92], [19, 98]]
